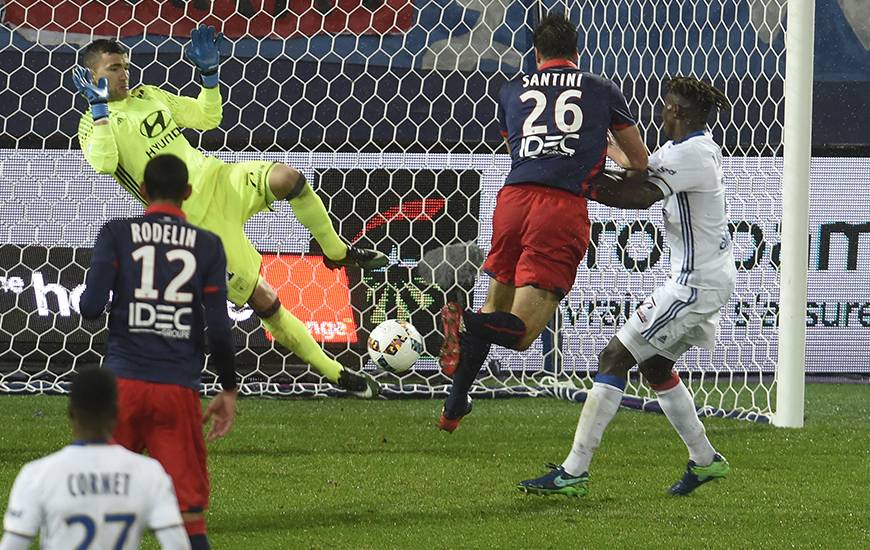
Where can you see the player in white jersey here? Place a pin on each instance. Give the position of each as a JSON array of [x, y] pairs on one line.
[[686, 174], [92, 494]]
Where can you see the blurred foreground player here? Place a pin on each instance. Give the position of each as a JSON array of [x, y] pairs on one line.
[[124, 128], [686, 174], [92, 494], [168, 281], [556, 122]]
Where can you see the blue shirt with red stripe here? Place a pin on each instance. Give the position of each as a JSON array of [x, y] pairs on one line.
[[167, 279], [556, 122]]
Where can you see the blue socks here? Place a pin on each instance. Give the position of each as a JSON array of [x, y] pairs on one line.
[[474, 352], [501, 328]]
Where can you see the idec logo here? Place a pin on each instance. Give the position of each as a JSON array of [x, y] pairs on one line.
[[315, 294], [254, 18]]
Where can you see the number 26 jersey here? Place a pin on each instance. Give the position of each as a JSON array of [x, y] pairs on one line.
[[556, 122]]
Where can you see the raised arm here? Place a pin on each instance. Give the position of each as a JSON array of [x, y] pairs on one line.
[[95, 133], [204, 112], [201, 113]]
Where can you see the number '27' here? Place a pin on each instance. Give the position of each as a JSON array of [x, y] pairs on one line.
[[126, 520]]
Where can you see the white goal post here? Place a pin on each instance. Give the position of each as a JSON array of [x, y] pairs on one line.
[[791, 363], [388, 107]]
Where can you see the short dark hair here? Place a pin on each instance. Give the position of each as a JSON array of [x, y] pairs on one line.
[[93, 396], [89, 54], [701, 96], [555, 37], [166, 178]]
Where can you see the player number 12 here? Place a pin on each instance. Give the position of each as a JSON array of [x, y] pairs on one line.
[[146, 290]]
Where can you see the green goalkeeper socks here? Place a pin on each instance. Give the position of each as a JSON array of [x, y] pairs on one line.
[[292, 334], [309, 210]]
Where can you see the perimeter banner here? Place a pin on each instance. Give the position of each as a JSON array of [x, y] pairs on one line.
[[409, 205]]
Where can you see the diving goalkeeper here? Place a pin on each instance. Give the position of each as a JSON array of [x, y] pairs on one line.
[[124, 128]]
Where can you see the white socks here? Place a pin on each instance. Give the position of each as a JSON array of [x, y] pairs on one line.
[[679, 407], [600, 408]]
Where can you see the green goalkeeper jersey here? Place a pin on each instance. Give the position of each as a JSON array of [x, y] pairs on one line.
[[148, 123]]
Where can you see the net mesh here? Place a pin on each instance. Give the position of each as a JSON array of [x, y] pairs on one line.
[[389, 107]]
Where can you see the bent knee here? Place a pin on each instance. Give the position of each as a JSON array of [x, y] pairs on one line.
[[263, 299], [287, 183], [524, 344]]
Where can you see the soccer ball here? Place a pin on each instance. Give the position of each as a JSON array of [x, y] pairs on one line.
[[395, 345]]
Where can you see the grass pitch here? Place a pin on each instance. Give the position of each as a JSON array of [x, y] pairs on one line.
[[339, 473]]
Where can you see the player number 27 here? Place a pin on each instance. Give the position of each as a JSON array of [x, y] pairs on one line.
[[126, 520], [146, 290], [568, 116]]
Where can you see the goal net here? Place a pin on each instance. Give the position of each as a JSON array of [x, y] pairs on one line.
[[389, 108]]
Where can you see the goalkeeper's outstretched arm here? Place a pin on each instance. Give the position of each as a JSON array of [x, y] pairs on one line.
[[98, 144], [206, 111], [201, 113]]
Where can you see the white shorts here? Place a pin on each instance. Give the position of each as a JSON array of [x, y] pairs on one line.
[[672, 320]]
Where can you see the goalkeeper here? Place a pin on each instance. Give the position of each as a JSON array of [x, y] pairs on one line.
[[125, 128]]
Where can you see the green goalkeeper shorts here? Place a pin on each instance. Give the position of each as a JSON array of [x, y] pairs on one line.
[[238, 191]]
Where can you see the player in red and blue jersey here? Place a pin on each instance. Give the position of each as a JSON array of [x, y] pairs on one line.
[[168, 281], [556, 122]]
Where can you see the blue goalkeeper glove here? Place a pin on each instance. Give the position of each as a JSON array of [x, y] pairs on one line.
[[96, 94], [204, 52]]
